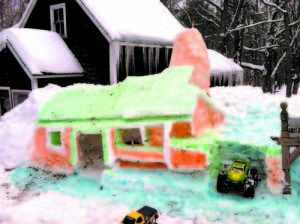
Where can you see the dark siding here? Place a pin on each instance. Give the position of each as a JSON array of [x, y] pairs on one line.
[[83, 38], [59, 81], [12, 74]]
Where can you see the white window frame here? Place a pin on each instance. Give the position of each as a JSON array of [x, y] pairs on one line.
[[17, 91], [9, 96], [59, 149], [55, 7]]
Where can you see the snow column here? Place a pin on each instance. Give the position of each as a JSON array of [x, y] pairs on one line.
[[190, 49]]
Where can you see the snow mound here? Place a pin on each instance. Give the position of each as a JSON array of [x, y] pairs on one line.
[[16, 127]]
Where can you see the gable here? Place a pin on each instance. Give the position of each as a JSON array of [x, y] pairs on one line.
[[145, 21]]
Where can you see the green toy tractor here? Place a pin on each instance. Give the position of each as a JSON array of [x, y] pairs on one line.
[[240, 177]]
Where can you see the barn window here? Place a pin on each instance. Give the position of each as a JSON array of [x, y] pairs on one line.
[[19, 96], [58, 19], [132, 136], [55, 138]]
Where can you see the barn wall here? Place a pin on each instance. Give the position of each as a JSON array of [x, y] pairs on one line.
[[12, 74], [63, 82], [83, 38]]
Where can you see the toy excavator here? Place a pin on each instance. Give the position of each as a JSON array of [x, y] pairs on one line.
[[145, 215]]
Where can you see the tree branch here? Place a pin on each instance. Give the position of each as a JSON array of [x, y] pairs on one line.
[[215, 5], [277, 65], [261, 49], [274, 6], [209, 13], [210, 20], [255, 24]]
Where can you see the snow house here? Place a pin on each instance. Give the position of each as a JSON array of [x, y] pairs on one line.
[[157, 121]]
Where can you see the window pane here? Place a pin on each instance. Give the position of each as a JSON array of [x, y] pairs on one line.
[[62, 29], [55, 138], [61, 14], [55, 12]]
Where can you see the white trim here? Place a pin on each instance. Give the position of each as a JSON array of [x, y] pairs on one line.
[[56, 7], [57, 76], [124, 43], [34, 84], [23, 65], [114, 51], [18, 91], [94, 20], [60, 149], [9, 96], [111, 155], [134, 159], [167, 145]]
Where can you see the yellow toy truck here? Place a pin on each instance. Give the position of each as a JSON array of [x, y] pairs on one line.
[[145, 215]]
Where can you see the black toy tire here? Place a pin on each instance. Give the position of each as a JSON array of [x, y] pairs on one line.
[[249, 192], [220, 184]]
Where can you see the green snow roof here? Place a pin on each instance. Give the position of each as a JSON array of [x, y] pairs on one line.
[[168, 93]]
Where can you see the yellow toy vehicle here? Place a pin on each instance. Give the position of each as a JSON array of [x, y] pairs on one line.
[[145, 215]]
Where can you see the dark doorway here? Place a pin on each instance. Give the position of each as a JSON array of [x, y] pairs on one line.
[[92, 151]]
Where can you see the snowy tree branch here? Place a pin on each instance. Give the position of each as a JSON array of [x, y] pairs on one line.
[[215, 5], [274, 6], [283, 56], [210, 20], [261, 49], [209, 13], [255, 24], [277, 65]]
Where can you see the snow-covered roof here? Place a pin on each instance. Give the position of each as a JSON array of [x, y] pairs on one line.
[[221, 65], [144, 21], [40, 51]]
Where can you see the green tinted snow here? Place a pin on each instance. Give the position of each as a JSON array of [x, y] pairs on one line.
[[168, 93]]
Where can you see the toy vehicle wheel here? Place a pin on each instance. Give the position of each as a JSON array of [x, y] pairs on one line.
[[221, 184], [249, 192]]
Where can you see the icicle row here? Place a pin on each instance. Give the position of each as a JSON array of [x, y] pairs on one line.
[[150, 59], [145, 59], [157, 50]]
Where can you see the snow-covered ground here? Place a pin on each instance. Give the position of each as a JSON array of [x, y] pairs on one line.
[[30, 197]]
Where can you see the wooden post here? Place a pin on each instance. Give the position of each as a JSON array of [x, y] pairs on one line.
[[284, 116]]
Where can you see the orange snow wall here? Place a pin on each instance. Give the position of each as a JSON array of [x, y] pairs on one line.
[[204, 117], [190, 49], [46, 157]]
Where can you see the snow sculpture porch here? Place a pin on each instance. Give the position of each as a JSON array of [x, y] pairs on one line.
[[287, 140]]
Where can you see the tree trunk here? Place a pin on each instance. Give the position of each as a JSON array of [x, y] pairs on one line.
[[296, 86], [223, 26], [287, 49]]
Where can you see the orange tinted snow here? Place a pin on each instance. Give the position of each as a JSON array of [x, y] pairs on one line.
[[190, 49]]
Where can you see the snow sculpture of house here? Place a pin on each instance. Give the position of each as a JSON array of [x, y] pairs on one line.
[[149, 122]]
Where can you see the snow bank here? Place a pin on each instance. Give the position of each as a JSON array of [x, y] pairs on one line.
[[41, 51], [16, 127]]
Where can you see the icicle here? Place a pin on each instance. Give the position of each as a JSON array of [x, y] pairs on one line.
[[121, 62], [167, 56], [157, 50], [150, 59], [145, 59], [133, 60], [114, 61], [230, 80], [128, 53]]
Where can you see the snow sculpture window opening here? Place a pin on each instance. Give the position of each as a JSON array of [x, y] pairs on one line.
[[55, 138], [58, 19], [131, 136]]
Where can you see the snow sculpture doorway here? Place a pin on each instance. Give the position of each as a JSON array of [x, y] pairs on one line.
[[92, 151]]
